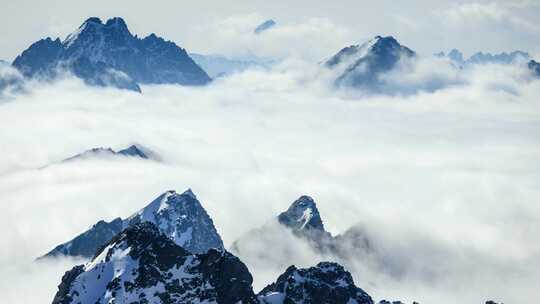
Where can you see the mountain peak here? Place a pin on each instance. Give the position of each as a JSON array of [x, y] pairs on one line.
[[116, 22], [109, 55], [361, 65], [93, 20], [189, 193], [142, 265], [302, 215], [181, 217], [266, 25], [326, 281]]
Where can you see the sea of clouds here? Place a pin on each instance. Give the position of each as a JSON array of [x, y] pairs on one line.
[[444, 180]]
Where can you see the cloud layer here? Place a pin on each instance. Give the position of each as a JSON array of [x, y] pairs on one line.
[[444, 181]]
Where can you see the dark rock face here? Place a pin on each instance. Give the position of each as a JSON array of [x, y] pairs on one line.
[[535, 67], [325, 283], [133, 150], [86, 244], [39, 58], [63, 296], [107, 54], [361, 66], [142, 265], [180, 216]]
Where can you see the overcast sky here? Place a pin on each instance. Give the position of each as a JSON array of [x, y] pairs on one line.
[[220, 27]]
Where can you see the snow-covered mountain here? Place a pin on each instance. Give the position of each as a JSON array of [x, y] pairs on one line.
[[325, 283], [303, 218], [143, 265], [361, 66], [131, 151], [107, 54], [266, 25], [179, 216], [485, 58]]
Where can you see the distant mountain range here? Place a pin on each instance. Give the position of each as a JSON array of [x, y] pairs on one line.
[[366, 66], [484, 58], [131, 151], [107, 54]]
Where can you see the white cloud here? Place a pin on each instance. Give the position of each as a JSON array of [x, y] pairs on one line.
[[445, 181], [234, 36], [494, 15]]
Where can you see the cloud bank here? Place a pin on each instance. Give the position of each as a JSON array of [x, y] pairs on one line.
[[445, 182]]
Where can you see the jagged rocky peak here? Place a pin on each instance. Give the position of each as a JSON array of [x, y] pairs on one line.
[[134, 150], [180, 217], [266, 25], [107, 54], [362, 65], [302, 215], [142, 265], [183, 219], [325, 283]]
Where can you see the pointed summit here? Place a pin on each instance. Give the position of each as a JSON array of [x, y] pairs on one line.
[[117, 22], [302, 215], [180, 217], [133, 150]]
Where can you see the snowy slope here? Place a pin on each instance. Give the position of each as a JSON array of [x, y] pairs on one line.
[[142, 265]]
